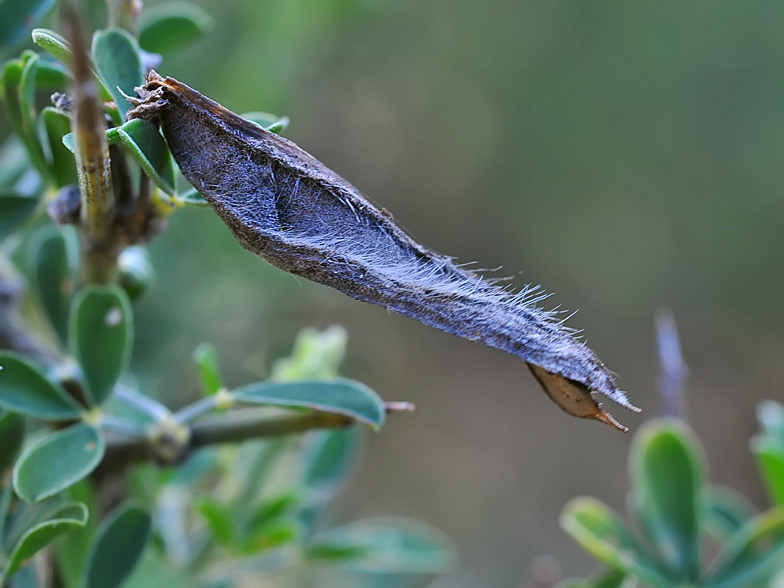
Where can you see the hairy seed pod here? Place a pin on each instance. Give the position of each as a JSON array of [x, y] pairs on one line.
[[284, 205]]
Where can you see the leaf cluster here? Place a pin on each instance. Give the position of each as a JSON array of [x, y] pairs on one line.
[[71, 413], [688, 532]]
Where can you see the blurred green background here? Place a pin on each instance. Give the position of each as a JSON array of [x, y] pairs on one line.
[[625, 155]]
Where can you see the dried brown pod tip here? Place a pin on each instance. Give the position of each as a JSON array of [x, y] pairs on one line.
[[287, 207]]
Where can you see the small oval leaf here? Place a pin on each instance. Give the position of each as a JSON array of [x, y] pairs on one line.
[[17, 17], [165, 28], [150, 151], [57, 461], [12, 77], [63, 165], [70, 516], [52, 74], [14, 161], [51, 277], [146, 146], [54, 44], [61, 49], [384, 546], [206, 358], [27, 90], [329, 456], [101, 333], [136, 271], [752, 554], [24, 389], [270, 122], [606, 537], [218, 519], [338, 396], [769, 452], [118, 546], [668, 486], [11, 437], [116, 57], [14, 211], [727, 511], [18, 82]]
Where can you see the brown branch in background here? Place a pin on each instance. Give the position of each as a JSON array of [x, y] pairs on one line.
[[93, 162], [172, 447], [243, 426]]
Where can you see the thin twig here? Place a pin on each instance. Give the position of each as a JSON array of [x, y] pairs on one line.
[[93, 161]]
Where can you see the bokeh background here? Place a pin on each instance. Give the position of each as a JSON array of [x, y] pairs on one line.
[[625, 155]]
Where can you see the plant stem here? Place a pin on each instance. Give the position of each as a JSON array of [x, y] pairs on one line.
[[99, 254], [121, 426], [249, 424], [141, 402], [197, 409], [232, 427]]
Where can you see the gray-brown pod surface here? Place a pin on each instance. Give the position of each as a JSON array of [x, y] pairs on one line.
[[287, 207]]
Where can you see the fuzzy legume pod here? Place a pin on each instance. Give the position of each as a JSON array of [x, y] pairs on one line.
[[287, 207]]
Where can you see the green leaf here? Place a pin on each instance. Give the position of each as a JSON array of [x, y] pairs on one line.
[[727, 511], [118, 547], [136, 271], [61, 49], [606, 537], [316, 355], [101, 337], [271, 534], [17, 17], [269, 122], [54, 44], [329, 456], [611, 579], [338, 396], [67, 518], [63, 166], [72, 550], [206, 359], [165, 28], [19, 107], [13, 160], [218, 519], [68, 142], [191, 197], [14, 211], [12, 78], [52, 277], [752, 554], [6, 494], [667, 488], [388, 545], [116, 57], [11, 437], [57, 461], [275, 508], [769, 452], [27, 90], [24, 389], [52, 74], [148, 148]]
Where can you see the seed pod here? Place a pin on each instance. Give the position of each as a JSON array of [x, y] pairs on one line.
[[287, 207]]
